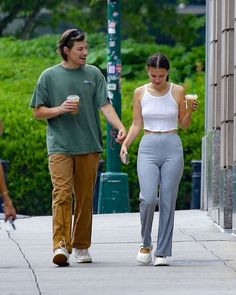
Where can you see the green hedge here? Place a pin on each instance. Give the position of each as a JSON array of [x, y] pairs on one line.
[[23, 141]]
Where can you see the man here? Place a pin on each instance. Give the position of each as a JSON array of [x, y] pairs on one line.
[[74, 141], [8, 208]]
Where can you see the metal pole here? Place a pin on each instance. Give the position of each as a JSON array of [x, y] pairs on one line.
[[113, 80], [196, 184], [113, 186]]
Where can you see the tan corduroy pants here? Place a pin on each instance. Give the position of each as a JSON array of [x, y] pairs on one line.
[[72, 175]]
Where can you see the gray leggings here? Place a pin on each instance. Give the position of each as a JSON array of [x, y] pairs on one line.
[[160, 167]]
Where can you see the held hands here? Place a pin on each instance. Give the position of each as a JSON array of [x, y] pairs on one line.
[[123, 150], [121, 135], [124, 157]]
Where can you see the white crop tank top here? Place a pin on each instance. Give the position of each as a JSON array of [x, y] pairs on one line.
[[160, 113]]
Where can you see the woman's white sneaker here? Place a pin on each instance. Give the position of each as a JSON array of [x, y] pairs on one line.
[[161, 261], [82, 255], [144, 255]]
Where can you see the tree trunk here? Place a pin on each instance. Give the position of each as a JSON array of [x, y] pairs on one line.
[[29, 26], [9, 17]]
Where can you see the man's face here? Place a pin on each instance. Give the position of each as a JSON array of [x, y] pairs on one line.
[[76, 56]]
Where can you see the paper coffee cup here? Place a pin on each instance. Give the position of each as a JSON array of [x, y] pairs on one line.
[[190, 99], [74, 98]]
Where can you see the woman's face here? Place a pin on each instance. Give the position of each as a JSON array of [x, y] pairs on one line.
[[157, 76]]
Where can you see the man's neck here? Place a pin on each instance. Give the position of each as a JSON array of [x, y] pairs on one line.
[[68, 65]]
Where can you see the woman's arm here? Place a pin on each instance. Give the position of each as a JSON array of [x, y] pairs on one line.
[[185, 115], [137, 123], [8, 207]]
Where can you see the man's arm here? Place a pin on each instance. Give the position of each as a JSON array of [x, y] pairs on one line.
[[112, 117], [43, 112]]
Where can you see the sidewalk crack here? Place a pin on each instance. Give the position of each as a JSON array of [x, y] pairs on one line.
[[27, 261], [213, 253], [208, 250]]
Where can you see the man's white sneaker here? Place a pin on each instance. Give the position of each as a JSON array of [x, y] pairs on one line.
[[61, 257], [82, 255], [161, 261], [144, 255]]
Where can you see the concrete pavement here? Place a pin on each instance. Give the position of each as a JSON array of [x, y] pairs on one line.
[[203, 261]]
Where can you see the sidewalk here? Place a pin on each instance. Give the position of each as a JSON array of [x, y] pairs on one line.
[[203, 261]]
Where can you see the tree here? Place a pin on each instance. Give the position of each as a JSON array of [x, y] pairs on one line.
[[141, 20], [28, 10]]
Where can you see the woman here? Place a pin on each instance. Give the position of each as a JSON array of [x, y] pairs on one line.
[[8, 208], [158, 107]]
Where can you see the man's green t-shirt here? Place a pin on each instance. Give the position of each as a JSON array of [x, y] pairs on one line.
[[72, 133]]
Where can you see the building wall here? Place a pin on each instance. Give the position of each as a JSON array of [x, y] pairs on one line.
[[219, 142]]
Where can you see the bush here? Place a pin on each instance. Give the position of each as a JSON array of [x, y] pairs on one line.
[[23, 142]]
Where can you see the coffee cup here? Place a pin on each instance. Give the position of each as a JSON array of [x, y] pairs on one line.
[[74, 98], [190, 99]]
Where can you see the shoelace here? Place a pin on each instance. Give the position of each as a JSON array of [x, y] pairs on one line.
[[83, 252], [62, 247]]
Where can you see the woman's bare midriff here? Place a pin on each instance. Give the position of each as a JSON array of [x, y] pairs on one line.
[[160, 132]]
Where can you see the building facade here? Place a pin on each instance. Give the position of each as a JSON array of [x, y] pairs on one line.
[[218, 190]]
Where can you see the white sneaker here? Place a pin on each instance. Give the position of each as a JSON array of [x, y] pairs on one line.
[[144, 257], [82, 255], [61, 257], [161, 261]]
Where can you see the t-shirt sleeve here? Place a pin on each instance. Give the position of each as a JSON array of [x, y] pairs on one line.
[[40, 95], [101, 94]]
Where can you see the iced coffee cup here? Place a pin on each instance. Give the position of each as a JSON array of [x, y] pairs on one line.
[[74, 98], [190, 99]]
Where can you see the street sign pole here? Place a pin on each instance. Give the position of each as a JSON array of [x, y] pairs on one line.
[[113, 187], [113, 80]]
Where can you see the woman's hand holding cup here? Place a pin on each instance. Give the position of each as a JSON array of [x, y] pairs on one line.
[[191, 102]]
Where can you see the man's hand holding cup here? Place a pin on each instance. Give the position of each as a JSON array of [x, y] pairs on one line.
[[75, 99]]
